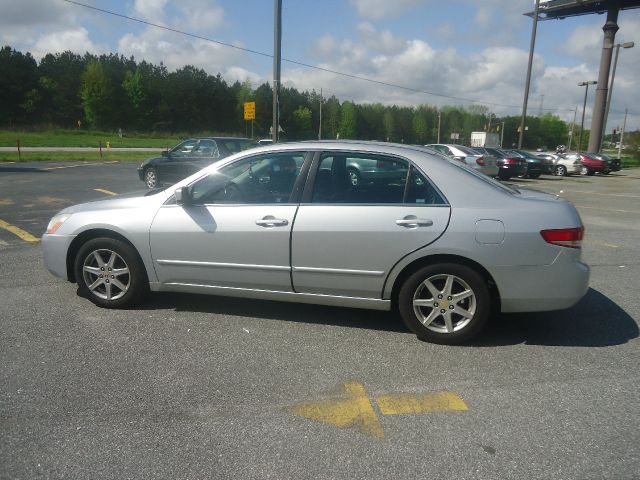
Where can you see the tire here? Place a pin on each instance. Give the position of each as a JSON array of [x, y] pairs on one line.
[[561, 170], [534, 175], [504, 176], [101, 258], [591, 172], [462, 319], [354, 177], [584, 170], [606, 172], [151, 179]]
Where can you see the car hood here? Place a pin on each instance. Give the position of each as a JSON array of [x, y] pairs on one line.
[[124, 201]]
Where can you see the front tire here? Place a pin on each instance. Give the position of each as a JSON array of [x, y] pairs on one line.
[[151, 179], [109, 272], [584, 170], [561, 170], [445, 303]]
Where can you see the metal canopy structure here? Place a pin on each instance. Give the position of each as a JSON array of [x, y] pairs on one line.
[[559, 9]]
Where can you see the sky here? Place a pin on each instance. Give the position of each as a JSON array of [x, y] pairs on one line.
[[473, 50]]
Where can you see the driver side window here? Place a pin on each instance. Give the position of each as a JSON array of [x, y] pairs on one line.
[[260, 179]]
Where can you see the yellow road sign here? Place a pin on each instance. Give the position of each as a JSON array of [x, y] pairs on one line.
[[249, 110]]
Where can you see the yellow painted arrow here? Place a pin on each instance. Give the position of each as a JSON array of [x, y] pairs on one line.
[[354, 410]]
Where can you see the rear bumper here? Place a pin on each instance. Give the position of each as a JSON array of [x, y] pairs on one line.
[[512, 170], [542, 288]]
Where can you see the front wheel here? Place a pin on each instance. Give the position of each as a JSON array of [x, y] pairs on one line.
[[561, 170], [534, 175], [584, 170], [109, 273], [151, 178], [445, 303]]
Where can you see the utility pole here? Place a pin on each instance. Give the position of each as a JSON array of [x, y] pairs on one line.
[[320, 126], [573, 127], [624, 125], [528, 82], [610, 28], [277, 50], [502, 135], [584, 106], [613, 77], [438, 127]]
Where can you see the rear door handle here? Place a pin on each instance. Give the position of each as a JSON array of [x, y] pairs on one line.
[[413, 221], [271, 221]]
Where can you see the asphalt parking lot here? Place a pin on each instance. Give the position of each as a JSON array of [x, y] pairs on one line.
[[192, 387]]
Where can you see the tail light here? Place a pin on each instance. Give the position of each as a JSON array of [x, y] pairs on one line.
[[480, 161], [564, 237], [510, 161]]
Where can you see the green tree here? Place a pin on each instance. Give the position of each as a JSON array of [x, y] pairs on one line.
[[97, 95], [18, 86], [301, 126], [348, 121]]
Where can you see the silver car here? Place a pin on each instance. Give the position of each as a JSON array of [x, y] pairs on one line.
[[443, 244], [482, 162]]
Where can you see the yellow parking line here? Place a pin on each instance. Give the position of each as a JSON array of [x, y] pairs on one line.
[[396, 404], [102, 190], [26, 236]]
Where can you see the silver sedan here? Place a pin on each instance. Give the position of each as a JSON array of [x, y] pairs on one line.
[[444, 245]]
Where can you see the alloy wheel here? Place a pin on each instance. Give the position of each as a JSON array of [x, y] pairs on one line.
[[106, 274]]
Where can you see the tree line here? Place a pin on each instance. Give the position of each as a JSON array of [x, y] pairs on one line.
[[111, 91]]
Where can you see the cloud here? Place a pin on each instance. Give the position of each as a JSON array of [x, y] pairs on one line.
[[375, 40], [377, 9], [75, 39]]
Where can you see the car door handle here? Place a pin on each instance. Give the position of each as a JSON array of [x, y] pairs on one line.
[[270, 221], [413, 221]]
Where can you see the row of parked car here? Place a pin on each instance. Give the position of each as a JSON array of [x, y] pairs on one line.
[[505, 164], [194, 154]]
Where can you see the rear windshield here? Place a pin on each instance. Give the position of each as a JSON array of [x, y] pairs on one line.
[[235, 145], [467, 150], [494, 183]]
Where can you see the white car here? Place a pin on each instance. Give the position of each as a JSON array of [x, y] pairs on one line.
[[567, 165]]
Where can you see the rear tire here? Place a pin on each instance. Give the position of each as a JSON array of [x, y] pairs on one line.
[[110, 273], [534, 175], [445, 303]]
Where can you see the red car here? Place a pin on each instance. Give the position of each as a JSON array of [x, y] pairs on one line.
[[590, 165]]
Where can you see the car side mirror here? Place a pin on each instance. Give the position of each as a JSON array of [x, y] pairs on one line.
[[183, 196]]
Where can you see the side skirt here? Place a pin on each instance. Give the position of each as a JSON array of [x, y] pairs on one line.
[[311, 298]]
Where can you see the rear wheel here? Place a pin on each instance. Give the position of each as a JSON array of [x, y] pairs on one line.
[[109, 273], [534, 175], [560, 170], [445, 303], [354, 177], [504, 176]]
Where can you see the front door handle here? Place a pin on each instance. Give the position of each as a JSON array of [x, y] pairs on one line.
[[271, 221], [411, 221]]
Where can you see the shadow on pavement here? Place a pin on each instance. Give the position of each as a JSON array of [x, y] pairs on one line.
[[17, 169], [595, 321]]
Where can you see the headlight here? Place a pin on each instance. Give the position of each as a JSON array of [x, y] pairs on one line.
[[57, 221]]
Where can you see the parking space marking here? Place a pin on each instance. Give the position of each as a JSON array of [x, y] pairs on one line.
[[623, 195], [24, 235], [102, 190], [5, 202], [354, 410], [422, 403], [80, 165]]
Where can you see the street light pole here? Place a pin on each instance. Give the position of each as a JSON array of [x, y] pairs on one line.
[[573, 127], [613, 77], [584, 106], [528, 81], [277, 49]]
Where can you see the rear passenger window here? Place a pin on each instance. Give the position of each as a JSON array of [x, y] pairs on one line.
[[350, 178]]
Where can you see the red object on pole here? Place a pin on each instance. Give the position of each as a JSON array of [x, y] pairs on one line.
[[19, 153]]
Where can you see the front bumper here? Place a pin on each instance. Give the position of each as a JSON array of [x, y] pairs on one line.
[[141, 173], [54, 253]]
